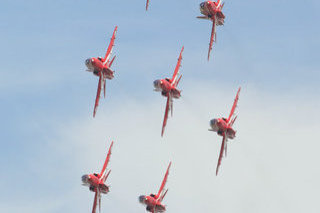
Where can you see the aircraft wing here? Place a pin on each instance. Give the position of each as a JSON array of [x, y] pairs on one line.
[[234, 106], [95, 202], [107, 160], [219, 3], [176, 70], [168, 108], [147, 4], [222, 149], [109, 50], [101, 80], [164, 181], [104, 88], [213, 34], [99, 197]]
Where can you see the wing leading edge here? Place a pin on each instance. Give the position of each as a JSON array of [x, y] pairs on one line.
[[166, 113], [100, 84], [176, 70], [110, 47], [95, 201], [234, 106], [223, 147], [107, 160], [213, 35], [164, 181]]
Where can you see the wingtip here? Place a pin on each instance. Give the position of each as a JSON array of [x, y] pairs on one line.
[[238, 92], [169, 166], [162, 132]]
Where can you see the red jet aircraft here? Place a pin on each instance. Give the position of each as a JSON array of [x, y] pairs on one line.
[[212, 10], [168, 89], [224, 128], [153, 202], [96, 182], [101, 68]]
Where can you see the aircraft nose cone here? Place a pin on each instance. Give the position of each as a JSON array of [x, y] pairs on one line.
[[88, 62], [213, 122], [85, 178], [156, 83], [142, 199]]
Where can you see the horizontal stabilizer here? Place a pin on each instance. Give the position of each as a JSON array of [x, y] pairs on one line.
[[202, 17]]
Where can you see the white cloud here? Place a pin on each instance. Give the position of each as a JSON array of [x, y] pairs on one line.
[[271, 165]]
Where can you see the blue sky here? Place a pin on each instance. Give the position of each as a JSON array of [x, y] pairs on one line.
[[49, 138]]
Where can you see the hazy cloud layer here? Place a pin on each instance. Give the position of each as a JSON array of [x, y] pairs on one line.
[[271, 165]]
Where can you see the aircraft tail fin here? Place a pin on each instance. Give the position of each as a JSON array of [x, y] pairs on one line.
[[111, 62]]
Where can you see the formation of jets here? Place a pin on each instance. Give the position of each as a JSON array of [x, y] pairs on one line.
[[101, 67]]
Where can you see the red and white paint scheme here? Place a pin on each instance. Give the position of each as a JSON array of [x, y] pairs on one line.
[[212, 11], [168, 88], [101, 67], [153, 201], [223, 126], [96, 182]]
